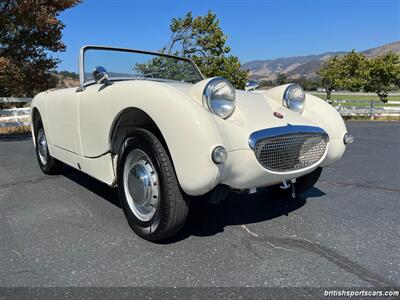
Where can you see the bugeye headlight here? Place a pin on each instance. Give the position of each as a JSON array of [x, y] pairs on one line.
[[219, 96], [294, 98]]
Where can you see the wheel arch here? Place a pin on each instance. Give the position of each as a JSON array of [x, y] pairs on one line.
[[35, 119], [126, 121], [175, 142]]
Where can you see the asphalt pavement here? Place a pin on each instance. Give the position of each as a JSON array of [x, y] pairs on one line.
[[69, 230]]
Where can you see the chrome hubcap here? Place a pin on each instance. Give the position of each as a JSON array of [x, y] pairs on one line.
[[141, 185], [42, 146]]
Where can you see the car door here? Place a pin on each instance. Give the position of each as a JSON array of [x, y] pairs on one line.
[[62, 106], [96, 114]]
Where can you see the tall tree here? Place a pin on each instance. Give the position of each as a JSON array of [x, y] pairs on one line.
[[29, 30], [352, 71], [383, 74], [329, 74], [202, 40]]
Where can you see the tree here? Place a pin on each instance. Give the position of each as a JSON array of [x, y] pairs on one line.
[[383, 73], [308, 84], [267, 84], [167, 68], [352, 71], [355, 72], [329, 74], [29, 30], [202, 40], [281, 79]]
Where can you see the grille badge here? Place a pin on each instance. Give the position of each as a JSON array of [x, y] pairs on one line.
[[278, 115]]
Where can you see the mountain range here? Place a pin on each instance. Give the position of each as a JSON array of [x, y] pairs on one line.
[[306, 66]]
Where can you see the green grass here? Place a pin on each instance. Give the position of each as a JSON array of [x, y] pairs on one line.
[[356, 97], [350, 97], [376, 104]]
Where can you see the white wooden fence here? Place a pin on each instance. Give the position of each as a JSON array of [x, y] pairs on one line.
[[14, 117], [368, 108]]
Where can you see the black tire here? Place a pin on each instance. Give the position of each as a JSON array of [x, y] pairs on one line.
[[48, 164], [303, 183], [306, 182], [172, 209]]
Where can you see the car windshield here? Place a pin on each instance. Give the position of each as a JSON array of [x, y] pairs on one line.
[[124, 64]]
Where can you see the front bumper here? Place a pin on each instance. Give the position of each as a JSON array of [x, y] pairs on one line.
[[242, 169]]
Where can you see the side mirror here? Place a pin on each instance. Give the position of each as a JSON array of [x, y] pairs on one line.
[[251, 85], [100, 75]]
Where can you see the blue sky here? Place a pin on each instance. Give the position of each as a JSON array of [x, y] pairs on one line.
[[256, 29]]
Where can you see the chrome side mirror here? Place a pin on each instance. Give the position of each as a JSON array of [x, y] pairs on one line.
[[100, 75], [251, 85]]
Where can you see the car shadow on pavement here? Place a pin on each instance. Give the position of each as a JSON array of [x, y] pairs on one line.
[[208, 219], [99, 188], [15, 138]]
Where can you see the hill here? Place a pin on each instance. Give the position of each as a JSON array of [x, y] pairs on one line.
[[66, 79], [303, 66]]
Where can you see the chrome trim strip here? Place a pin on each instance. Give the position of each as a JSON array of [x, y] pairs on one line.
[[284, 130]]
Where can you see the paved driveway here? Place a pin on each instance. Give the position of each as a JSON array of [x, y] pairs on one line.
[[68, 230]]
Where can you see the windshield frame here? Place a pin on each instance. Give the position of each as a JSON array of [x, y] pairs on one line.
[[83, 83]]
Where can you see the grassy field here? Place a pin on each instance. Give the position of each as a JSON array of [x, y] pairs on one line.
[[355, 97], [349, 97]]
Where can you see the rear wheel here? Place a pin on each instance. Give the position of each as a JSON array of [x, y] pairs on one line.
[[48, 164], [149, 191]]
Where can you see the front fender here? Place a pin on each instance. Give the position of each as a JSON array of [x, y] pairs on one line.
[[323, 115], [328, 118], [187, 128], [38, 105]]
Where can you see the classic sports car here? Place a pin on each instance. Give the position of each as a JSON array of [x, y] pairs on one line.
[[152, 125]]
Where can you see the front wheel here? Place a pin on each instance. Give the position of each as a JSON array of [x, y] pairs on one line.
[[48, 164], [148, 188]]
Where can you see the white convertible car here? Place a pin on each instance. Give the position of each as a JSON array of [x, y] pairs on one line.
[[152, 125]]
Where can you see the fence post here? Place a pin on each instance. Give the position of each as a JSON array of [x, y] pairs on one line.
[[372, 109]]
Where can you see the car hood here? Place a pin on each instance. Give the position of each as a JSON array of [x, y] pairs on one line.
[[182, 86], [253, 109], [253, 112]]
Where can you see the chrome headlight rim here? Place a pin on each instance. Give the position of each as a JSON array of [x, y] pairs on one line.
[[208, 92], [296, 105]]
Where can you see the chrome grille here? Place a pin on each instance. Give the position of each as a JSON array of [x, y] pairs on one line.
[[291, 152]]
